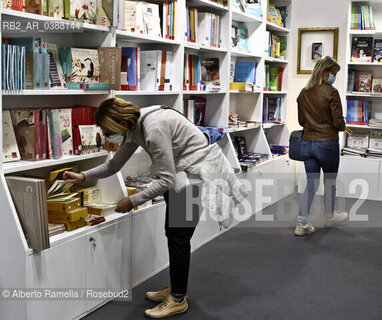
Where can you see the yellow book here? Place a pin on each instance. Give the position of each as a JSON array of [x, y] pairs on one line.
[[237, 86], [274, 15], [89, 195], [63, 206], [99, 208], [70, 216], [70, 226]]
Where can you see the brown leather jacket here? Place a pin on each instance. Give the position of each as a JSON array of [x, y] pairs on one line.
[[320, 113]]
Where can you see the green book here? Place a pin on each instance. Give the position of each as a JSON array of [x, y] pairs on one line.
[[274, 78]]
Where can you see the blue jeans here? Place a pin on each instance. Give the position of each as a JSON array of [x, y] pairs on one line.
[[317, 155]]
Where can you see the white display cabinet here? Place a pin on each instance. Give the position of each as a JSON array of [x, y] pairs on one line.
[[129, 248]]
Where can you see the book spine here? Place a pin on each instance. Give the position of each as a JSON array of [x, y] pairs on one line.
[[43, 134], [67, 9]]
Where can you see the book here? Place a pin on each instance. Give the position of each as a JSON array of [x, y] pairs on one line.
[[82, 65], [242, 36], [245, 72], [29, 198], [351, 79], [55, 150], [134, 16], [27, 130], [151, 19], [65, 116], [10, 148], [107, 14], [362, 82], [56, 9], [130, 77], [362, 49], [110, 66], [80, 116], [210, 74], [56, 75], [92, 139], [83, 11], [377, 84], [274, 78], [195, 109], [274, 15], [375, 140], [149, 69], [254, 8], [377, 52]]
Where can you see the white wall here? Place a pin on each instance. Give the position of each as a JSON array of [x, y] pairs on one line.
[[310, 14]]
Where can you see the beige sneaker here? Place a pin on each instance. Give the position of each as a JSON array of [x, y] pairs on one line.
[[338, 218], [167, 308], [303, 229], [159, 295]]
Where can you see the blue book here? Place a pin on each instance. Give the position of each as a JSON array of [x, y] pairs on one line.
[[244, 71], [131, 53], [4, 50], [348, 110], [366, 108]]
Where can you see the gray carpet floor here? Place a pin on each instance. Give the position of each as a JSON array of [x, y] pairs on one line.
[[260, 270]]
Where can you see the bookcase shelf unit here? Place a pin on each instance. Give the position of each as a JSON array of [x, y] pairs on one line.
[[129, 247]]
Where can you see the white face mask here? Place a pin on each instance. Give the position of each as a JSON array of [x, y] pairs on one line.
[[117, 138], [331, 78]]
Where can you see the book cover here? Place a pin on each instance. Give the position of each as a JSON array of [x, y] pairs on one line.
[[151, 19], [110, 66], [54, 134], [274, 15], [377, 84], [65, 117], [106, 12], [43, 134], [29, 198], [242, 35], [245, 71], [362, 81], [199, 110], [148, 62], [204, 27], [254, 8], [83, 65], [83, 11], [56, 9], [134, 16], [274, 78], [10, 148], [92, 139], [210, 74], [56, 76], [362, 49], [377, 53], [27, 130]]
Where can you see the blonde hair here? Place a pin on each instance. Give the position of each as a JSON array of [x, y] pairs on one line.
[[322, 65], [112, 111]]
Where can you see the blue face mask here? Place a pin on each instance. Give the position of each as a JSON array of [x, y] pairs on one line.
[[331, 78]]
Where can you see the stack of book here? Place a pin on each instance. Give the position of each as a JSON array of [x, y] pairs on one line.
[[358, 112], [29, 197], [375, 123], [272, 110], [239, 38], [195, 110], [203, 28], [247, 159], [137, 184], [156, 20], [278, 150], [362, 18], [55, 228], [273, 78]]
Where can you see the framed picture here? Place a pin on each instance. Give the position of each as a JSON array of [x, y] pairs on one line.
[[314, 43]]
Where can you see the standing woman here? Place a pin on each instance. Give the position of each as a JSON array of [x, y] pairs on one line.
[[320, 114], [170, 139]]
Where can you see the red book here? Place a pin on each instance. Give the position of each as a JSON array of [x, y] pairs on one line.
[[43, 135], [281, 71]]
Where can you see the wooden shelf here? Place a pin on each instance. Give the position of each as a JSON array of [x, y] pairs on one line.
[[72, 26], [23, 165]]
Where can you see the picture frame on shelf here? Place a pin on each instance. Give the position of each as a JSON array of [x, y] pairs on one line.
[[315, 42]]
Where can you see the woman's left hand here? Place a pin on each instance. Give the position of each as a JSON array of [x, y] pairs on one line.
[[124, 205]]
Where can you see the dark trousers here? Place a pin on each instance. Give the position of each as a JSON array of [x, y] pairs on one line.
[[179, 230], [319, 155]]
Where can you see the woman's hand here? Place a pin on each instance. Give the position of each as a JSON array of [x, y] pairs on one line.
[[124, 205], [73, 177]]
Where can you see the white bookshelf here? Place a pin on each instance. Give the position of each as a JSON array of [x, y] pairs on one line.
[[143, 256]]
